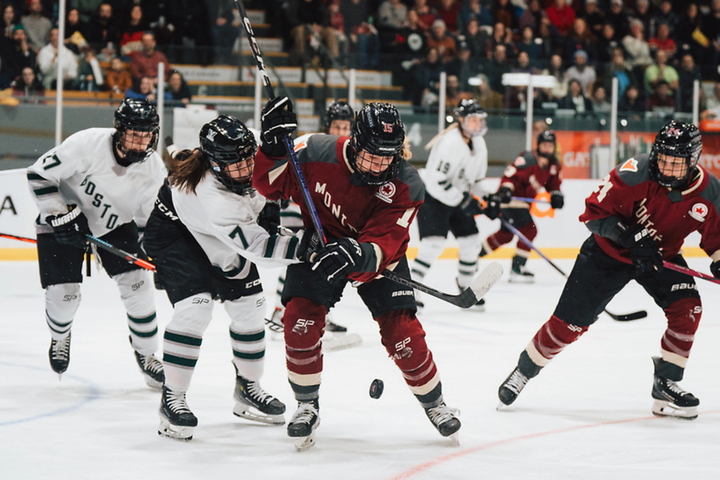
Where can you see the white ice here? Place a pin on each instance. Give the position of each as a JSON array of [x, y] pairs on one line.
[[586, 416]]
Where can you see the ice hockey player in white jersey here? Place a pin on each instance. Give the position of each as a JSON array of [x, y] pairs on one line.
[[205, 240], [339, 118], [99, 181], [456, 165]]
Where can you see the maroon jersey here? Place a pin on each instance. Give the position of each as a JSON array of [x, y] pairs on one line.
[[525, 177], [376, 214], [630, 193]]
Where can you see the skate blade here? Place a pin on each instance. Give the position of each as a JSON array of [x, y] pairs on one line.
[[520, 279], [341, 342], [151, 382], [663, 408], [251, 413], [176, 432], [305, 443], [455, 439]]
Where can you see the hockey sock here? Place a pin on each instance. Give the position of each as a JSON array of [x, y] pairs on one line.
[[429, 250], [469, 250], [137, 292], [683, 319], [304, 322], [61, 304], [551, 339], [247, 335]]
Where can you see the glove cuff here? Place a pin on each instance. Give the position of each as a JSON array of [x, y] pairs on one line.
[[273, 149], [57, 221]]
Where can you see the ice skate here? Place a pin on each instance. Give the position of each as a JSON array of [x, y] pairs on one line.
[[253, 403], [59, 355], [303, 424], [672, 401], [152, 370], [511, 388], [176, 419], [336, 337], [445, 420], [518, 272]]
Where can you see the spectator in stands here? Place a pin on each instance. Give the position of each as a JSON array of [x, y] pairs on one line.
[[687, 74], [606, 45], [102, 29], [224, 30], [618, 17], [312, 13], [145, 62], [643, 12], [532, 16], [662, 100], [515, 96], [502, 36], [557, 70], [17, 54], [496, 67], [575, 100], [426, 15], [86, 8], [117, 77], [528, 45], [473, 10], [666, 15], [28, 85], [47, 62], [448, 11], [476, 39], [441, 40], [631, 104], [491, 100], [37, 26], [9, 20], [190, 25], [178, 88], [74, 32], [600, 103], [637, 48], [662, 41], [594, 17], [337, 24], [548, 37], [463, 67], [392, 15], [454, 93], [363, 37], [710, 28], [89, 77], [686, 31], [582, 72], [427, 80], [504, 12], [579, 38], [5, 80], [144, 88], [561, 15], [132, 31], [620, 70], [661, 71]]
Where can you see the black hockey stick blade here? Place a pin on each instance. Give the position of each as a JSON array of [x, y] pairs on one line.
[[469, 297], [628, 316]]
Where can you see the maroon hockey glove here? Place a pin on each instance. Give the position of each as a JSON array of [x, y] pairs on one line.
[[645, 255], [557, 200], [70, 228], [715, 269], [341, 258]]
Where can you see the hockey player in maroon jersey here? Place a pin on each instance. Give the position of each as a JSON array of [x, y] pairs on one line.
[[639, 216], [530, 172], [366, 197]]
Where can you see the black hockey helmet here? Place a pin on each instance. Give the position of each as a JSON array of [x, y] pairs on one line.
[[378, 130], [546, 136], [226, 143], [467, 108], [338, 110], [137, 116], [676, 139]]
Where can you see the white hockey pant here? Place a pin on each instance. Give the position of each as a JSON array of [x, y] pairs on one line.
[[61, 305], [469, 249], [137, 292]]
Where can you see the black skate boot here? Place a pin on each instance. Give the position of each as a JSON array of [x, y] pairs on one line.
[[253, 403], [670, 399], [516, 381], [59, 355], [518, 273], [445, 420], [152, 370], [176, 419], [303, 424]]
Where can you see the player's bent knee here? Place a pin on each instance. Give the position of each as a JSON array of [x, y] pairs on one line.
[[192, 315], [303, 323], [62, 301]]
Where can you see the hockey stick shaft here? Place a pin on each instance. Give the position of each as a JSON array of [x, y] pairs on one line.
[[15, 237], [530, 200], [288, 142], [121, 253], [692, 273], [621, 318]]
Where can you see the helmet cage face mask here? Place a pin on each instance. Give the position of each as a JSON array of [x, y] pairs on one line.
[[676, 139], [378, 131], [136, 116], [230, 148], [546, 136], [469, 109], [338, 110]]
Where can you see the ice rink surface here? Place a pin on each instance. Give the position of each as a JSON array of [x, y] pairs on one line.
[[586, 416]]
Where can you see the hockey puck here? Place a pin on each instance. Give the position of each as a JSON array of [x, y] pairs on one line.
[[376, 388]]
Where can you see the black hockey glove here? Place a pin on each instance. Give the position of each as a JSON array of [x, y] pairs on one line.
[[492, 206], [470, 206], [269, 217], [343, 257], [278, 120], [70, 228], [505, 194], [645, 255], [715, 269], [557, 200], [309, 245]]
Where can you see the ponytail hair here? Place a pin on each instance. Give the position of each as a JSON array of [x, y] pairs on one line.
[[187, 168]]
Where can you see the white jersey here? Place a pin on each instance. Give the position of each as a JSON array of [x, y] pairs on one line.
[[453, 169], [83, 171], [225, 225]]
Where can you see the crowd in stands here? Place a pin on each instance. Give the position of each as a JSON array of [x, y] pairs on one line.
[[656, 49]]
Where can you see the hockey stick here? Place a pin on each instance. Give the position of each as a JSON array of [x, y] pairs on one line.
[[530, 200], [692, 273], [620, 318], [472, 294], [15, 237]]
